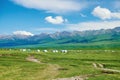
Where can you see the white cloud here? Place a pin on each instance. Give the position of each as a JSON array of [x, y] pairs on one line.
[[102, 13], [56, 20], [115, 15], [93, 25], [25, 33], [54, 6], [82, 15], [49, 30], [105, 13]]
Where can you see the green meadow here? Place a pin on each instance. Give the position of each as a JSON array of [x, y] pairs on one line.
[[14, 64]]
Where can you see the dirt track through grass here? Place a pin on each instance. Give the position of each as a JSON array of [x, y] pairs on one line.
[[52, 69], [32, 59], [49, 72], [105, 70]]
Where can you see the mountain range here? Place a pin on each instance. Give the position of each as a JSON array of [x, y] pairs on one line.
[[63, 38]]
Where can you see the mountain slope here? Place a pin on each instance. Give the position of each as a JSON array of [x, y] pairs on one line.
[[87, 38]]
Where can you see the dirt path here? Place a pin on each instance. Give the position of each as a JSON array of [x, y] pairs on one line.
[[32, 59], [103, 69], [48, 73], [81, 77], [0, 54], [72, 78], [51, 71]]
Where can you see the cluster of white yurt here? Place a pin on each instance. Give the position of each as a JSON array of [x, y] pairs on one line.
[[38, 50]]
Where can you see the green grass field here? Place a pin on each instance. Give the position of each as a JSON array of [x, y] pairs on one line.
[[15, 66]]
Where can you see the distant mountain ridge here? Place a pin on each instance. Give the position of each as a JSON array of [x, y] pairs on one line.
[[64, 37]]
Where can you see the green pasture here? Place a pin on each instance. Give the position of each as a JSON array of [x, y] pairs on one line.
[[14, 66]]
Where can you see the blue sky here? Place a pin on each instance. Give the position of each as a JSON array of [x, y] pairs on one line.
[[37, 16]]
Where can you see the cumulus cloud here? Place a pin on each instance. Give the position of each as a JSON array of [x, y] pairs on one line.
[[54, 6], [94, 25], [25, 33], [102, 13], [105, 13], [56, 20]]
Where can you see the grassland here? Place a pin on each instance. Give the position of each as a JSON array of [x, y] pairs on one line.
[[14, 66], [76, 46]]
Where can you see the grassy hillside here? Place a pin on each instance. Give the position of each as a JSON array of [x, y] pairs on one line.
[[94, 45], [15, 66]]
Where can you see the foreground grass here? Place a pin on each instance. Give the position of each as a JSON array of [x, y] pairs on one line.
[[14, 66]]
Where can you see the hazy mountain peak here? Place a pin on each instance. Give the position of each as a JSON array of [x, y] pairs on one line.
[[62, 37]]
